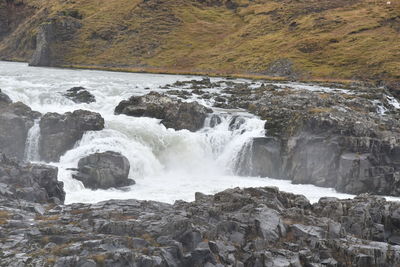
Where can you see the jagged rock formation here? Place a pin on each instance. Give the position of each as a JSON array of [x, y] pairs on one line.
[[173, 112], [15, 121], [60, 132], [29, 182], [333, 139], [104, 170], [43, 54], [345, 138], [249, 227]]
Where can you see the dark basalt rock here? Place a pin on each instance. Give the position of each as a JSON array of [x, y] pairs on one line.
[[56, 30], [15, 121], [260, 157], [333, 138], [80, 95], [104, 170], [43, 53], [30, 182], [173, 112], [236, 227], [59, 133]]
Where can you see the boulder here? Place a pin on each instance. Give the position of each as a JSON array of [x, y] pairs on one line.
[[173, 113], [15, 121], [80, 95], [104, 170], [60, 132]]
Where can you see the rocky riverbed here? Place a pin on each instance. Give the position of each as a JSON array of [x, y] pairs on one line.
[[236, 227], [345, 137]]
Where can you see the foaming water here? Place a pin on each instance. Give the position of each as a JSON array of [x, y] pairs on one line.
[[167, 165], [32, 143]]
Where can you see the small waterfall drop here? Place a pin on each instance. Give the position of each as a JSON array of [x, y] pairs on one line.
[[32, 143]]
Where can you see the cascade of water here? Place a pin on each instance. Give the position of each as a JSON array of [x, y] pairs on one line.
[[32, 143], [167, 165]]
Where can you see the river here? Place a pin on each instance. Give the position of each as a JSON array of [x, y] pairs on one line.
[[167, 165]]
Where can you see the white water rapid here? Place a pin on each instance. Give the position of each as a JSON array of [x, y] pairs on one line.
[[167, 165]]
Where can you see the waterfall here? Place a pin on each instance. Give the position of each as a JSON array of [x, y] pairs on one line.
[[167, 165], [243, 164], [32, 143]]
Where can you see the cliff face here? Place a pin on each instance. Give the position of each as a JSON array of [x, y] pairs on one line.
[[355, 39]]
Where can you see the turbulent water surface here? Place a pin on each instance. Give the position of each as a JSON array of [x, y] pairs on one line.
[[167, 165]]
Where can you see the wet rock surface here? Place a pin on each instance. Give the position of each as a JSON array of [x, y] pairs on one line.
[[80, 95], [236, 227], [15, 121], [59, 132], [173, 112], [30, 182], [104, 170], [346, 140]]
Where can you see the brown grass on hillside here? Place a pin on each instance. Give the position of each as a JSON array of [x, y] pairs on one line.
[[341, 39]]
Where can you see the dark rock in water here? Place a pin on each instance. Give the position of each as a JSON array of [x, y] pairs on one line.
[[173, 113], [80, 95], [236, 123], [59, 133], [179, 93], [4, 99], [15, 121], [215, 120], [104, 170], [30, 182]]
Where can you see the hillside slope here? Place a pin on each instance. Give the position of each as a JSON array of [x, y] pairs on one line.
[[342, 39]]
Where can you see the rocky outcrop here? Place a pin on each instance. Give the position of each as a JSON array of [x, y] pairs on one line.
[[55, 30], [15, 121], [236, 227], [43, 54], [283, 68], [29, 182], [345, 137], [60, 132], [334, 138], [173, 113], [80, 95], [104, 170]]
